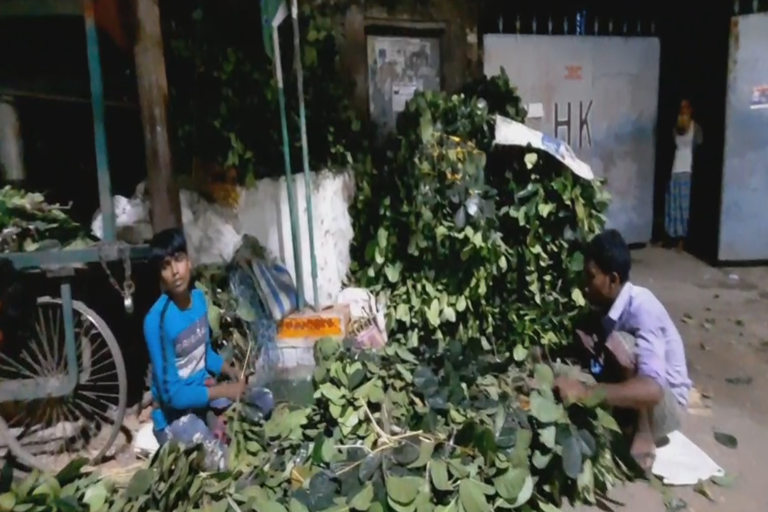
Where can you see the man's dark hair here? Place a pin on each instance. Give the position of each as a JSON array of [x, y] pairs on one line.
[[166, 244], [610, 253]]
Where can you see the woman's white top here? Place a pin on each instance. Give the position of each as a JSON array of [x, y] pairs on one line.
[[684, 151]]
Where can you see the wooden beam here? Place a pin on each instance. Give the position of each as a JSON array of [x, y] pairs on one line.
[[29, 8], [165, 207]]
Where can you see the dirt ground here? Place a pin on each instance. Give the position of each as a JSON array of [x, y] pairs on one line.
[[722, 315]]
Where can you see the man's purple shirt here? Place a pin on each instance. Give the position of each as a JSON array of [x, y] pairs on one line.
[[660, 352]]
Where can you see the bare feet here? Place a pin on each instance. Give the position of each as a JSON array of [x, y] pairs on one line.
[[643, 450], [680, 246]]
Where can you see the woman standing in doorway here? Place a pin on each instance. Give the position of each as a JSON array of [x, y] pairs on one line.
[[688, 136]]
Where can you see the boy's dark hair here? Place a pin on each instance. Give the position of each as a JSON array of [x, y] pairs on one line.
[[166, 244], [610, 253]]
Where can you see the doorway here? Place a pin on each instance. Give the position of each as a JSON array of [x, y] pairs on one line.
[[694, 66], [693, 63]]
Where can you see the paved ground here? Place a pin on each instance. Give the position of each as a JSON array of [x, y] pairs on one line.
[[722, 317]]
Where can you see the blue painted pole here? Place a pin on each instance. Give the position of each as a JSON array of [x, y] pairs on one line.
[[99, 131]]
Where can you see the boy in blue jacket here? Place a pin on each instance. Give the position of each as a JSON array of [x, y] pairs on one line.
[[184, 364]]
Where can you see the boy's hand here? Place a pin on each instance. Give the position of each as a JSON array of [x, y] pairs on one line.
[[234, 390], [232, 370], [231, 390]]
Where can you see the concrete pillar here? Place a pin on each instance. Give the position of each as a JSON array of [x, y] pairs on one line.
[[165, 209], [11, 147]]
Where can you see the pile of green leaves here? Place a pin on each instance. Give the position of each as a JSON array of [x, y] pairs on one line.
[[509, 256], [28, 223], [229, 315], [396, 430]]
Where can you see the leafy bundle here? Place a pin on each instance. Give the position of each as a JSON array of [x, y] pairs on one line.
[[514, 217], [26, 221], [387, 431]]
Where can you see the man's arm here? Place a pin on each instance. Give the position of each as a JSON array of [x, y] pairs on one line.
[[646, 389], [172, 390], [636, 393]]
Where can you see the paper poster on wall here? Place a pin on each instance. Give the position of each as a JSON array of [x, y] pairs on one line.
[[401, 94], [759, 97]]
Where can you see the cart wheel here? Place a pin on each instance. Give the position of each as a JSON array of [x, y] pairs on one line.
[[46, 434]]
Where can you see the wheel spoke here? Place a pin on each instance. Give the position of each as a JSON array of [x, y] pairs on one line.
[[65, 425]]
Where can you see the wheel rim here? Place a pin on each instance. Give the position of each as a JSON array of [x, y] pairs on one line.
[[51, 432]]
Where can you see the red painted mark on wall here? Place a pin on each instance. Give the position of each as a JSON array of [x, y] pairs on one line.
[[573, 72]]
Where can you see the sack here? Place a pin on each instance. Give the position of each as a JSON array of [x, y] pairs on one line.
[[276, 288]]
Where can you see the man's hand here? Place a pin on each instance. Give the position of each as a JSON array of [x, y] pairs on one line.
[[571, 390]]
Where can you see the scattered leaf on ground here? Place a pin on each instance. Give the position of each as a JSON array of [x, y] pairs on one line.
[[744, 380], [726, 440], [701, 488], [725, 480]]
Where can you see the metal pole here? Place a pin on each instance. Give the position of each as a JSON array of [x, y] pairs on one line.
[[305, 149], [292, 208], [99, 132]]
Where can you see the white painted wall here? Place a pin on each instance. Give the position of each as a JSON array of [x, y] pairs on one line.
[[214, 232]]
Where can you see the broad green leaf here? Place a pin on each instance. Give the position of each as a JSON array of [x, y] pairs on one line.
[[381, 237], [331, 392], [71, 471], [448, 314], [725, 480], [362, 500], [140, 484], [433, 313], [95, 496], [547, 436], [268, 506], [7, 502], [572, 457], [546, 410], [727, 440], [472, 496], [544, 375], [403, 490], [403, 313], [586, 481], [245, 311], [605, 420], [297, 506], [578, 297], [425, 455], [519, 353], [214, 319], [438, 470], [392, 272], [525, 493], [510, 483]]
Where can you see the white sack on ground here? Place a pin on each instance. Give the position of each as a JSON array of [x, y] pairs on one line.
[[214, 232], [681, 462]]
